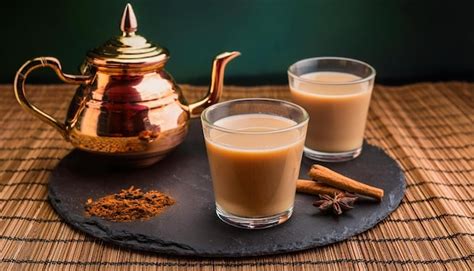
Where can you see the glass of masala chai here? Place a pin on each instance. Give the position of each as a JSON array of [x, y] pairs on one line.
[[254, 147], [336, 94]]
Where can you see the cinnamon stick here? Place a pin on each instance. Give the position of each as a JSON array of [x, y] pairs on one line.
[[332, 178], [314, 188]]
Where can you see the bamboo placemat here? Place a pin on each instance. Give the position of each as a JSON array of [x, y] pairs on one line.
[[427, 128]]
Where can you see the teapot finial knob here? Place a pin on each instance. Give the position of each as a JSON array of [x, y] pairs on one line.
[[129, 24]]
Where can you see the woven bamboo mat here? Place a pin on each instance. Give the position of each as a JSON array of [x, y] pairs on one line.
[[427, 128]]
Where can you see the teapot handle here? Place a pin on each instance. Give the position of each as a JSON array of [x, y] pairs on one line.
[[19, 88]]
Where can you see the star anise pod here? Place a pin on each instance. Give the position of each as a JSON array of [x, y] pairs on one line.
[[339, 203]]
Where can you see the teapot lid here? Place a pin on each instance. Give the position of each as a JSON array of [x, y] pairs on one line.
[[129, 48]]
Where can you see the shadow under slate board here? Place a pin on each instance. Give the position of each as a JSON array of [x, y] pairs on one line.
[[191, 227]]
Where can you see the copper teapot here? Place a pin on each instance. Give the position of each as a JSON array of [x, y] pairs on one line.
[[127, 107]]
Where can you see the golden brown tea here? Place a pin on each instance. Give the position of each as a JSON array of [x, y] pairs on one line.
[[254, 175], [338, 112]]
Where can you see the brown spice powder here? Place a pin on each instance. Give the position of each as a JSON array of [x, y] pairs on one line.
[[129, 205]]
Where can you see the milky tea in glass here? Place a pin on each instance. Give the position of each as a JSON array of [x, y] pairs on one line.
[[254, 147], [336, 94]]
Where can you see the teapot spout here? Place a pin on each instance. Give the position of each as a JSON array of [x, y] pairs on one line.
[[217, 83]]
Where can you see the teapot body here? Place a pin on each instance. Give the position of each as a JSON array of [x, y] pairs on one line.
[[127, 108], [136, 118]]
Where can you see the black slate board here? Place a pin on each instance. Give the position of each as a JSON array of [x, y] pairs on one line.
[[191, 227]]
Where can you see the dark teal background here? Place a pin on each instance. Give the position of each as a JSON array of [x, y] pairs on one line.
[[404, 40]]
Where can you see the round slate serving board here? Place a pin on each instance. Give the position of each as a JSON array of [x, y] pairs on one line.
[[191, 227]]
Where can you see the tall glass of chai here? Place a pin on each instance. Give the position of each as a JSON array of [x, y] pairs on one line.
[[254, 147], [336, 94]]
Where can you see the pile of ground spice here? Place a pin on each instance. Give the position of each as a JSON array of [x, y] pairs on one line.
[[129, 205]]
